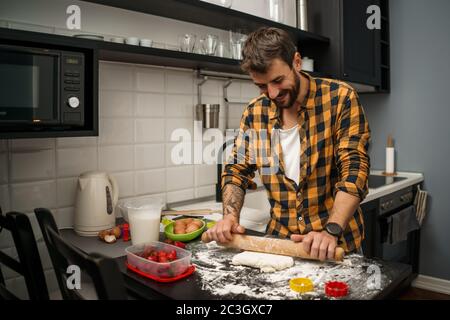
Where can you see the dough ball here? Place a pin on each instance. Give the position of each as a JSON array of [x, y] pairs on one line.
[[266, 262]]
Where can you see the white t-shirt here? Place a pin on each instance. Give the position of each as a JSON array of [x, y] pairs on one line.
[[290, 144]]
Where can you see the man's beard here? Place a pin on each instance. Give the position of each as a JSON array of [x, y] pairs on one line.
[[293, 93]]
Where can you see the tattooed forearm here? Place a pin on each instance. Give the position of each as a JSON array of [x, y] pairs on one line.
[[233, 199]]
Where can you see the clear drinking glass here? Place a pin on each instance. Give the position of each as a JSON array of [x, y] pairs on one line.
[[209, 44], [187, 42]]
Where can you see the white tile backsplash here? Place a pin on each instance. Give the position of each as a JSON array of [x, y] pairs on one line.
[[182, 195], [116, 158], [4, 198], [150, 181], [205, 191], [26, 197], [174, 124], [212, 87], [64, 217], [32, 165], [3, 145], [249, 91], [116, 104], [179, 153], [66, 191], [32, 144], [180, 106], [3, 167], [180, 178], [150, 130], [116, 76], [149, 156], [205, 174], [150, 79], [179, 82], [116, 131], [72, 162], [150, 105], [126, 183], [74, 142]]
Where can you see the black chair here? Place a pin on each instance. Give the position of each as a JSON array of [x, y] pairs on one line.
[[103, 271], [29, 261]]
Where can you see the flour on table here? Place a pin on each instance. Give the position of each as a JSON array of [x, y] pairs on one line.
[[224, 280], [266, 262]]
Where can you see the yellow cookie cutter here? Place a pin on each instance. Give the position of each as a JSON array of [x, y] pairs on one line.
[[301, 285]]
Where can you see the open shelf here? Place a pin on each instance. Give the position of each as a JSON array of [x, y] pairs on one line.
[[109, 51], [210, 15]]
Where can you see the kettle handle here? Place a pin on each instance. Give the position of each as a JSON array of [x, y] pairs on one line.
[[115, 189]]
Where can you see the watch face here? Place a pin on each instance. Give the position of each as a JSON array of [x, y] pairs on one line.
[[334, 229]]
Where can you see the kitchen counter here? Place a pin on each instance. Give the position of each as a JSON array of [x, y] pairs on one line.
[[412, 178], [216, 278]]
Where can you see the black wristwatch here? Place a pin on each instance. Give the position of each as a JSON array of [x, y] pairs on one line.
[[334, 229]]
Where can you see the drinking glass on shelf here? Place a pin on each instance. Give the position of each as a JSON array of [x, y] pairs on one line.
[[221, 52], [237, 40], [187, 42], [209, 44]]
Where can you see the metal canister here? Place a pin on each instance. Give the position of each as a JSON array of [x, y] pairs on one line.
[[208, 114]]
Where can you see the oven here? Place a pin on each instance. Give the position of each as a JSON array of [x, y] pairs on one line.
[[381, 233]]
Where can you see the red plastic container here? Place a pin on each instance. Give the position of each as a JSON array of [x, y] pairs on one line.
[[158, 269]]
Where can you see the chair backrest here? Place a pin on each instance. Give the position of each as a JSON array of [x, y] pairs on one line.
[[104, 272], [29, 263]]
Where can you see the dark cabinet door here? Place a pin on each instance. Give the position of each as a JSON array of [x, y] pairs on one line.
[[361, 46]]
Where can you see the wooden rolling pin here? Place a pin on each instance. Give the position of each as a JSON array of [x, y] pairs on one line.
[[271, 245], [194, 212]]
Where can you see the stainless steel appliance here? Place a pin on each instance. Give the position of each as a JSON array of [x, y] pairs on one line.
[[41, 88]]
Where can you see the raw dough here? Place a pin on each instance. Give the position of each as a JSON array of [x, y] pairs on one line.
[[265, 261]]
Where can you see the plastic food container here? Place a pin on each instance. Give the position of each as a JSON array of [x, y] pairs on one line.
[[158, 269]]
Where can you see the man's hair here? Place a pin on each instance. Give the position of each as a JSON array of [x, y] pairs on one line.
[[263, 46]]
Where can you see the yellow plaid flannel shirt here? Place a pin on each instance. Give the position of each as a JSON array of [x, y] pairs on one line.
[[334, 138]]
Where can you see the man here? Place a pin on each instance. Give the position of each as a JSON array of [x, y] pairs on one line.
[[317, 176]]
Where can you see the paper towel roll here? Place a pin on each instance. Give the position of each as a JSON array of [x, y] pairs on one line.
[[390, 160]]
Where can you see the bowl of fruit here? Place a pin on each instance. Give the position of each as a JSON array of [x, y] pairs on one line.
[[158, 259], [186, 229]]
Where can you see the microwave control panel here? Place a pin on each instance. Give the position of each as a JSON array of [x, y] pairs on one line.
[[72, 93]]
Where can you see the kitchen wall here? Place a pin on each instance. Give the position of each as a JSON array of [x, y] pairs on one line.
[[139, 108], [417, 112]]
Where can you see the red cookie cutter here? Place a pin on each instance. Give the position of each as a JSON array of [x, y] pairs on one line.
[[336, 289]]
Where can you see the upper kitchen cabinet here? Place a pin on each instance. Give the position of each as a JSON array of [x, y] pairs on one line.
[[357, 54]]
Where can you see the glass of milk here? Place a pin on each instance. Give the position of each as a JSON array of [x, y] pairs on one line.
[[145, 221]]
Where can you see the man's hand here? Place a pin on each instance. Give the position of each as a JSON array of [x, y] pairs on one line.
[[321, 245], [223, 229]]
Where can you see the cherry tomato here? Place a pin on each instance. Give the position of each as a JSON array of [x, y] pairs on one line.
[[180, 244], [172, 255]]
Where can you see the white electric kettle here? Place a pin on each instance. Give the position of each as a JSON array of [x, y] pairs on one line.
[[96, 199]]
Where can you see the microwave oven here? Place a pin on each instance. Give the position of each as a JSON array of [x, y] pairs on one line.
[[41, 88]]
